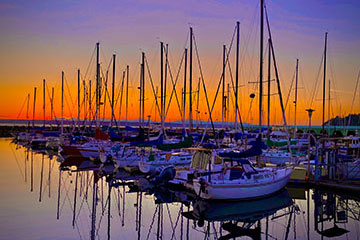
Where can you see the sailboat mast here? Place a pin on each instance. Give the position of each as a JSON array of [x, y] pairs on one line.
[[324, 82], [237, 71], [52, 104], [121, 93], [43, 102], [33, 121], [105, 91], [27, 109], [113, 90], [329, 102], [223, 112], [190, 77], [184, 90], [62, 102], [78, 98], [90, 113], [143, 89], [162, 84], [140, 91], [228, 102], [97, 84], [295, 101], [127, 92], [165, 78], [197, 103], [269, 88], [261, 62], [84, 102]]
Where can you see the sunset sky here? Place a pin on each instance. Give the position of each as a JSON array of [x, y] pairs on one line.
[[39, 39]]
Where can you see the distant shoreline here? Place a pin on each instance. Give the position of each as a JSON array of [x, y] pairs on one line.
[[22, 122]]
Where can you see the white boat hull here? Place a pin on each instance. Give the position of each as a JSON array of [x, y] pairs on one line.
[[151, 166], [217, 190], [90, 153]]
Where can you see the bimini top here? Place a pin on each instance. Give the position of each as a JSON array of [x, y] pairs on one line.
[[255, 150]]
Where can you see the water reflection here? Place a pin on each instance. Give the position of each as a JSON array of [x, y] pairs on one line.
[[88, 200]]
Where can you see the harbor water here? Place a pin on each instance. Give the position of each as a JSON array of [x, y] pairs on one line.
[[38, 201]]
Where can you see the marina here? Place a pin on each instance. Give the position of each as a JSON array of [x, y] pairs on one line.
[[154, 143], [45, 202]]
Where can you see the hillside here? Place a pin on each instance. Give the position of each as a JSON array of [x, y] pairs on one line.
[[355, 120]]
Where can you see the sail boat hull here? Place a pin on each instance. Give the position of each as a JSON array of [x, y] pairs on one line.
[[232, 190]]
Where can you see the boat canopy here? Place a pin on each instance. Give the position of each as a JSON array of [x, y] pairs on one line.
[[183, 144], [131, 129], [200, 160], [278, 134], [51, 134], [255, 150], [115, 137], [149, 143], [279, 143]]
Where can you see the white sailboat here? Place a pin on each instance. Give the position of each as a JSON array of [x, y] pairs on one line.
[[154, 161]]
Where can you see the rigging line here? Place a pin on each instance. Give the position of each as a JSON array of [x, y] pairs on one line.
[[103, 57], [202, 78], [303, 82], [66, 193], [171, 222], [99, 224], [333, 82], [67, 103], [231, 77], [354, 97], [17, 162], [251, 73], [120, 89], [152, 106], [227, 62], [69, 201], [233, 88], [314, 90], [152, 86], [22, 107], [122, 93], [174, 84], [52, 101], [51, 167], [169, 53], [244, 53], [176, 223], [152, 222], [88, 67], [277, 79], [83, 200], [68, 89], [290, 89]]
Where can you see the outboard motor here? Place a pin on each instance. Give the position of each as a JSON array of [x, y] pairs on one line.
[[166, 174]]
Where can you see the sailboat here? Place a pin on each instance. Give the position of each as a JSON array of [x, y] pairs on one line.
[[224, 175]]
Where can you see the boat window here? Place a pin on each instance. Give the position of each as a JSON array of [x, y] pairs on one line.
[[236, 173], [258, 177], [248, 168], [218, 160]]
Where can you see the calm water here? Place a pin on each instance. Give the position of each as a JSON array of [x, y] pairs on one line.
[[33, 206]]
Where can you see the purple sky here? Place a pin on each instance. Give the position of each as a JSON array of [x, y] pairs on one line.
[[39, 39]]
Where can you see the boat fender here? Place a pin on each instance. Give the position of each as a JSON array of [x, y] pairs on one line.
[[166, 175], [108, 158], [202, 186]]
